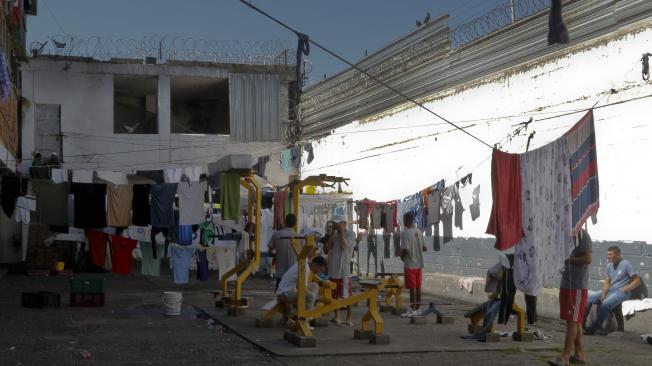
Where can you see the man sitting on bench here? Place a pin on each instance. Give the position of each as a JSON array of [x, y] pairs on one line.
[[617, 287], [287, 288]]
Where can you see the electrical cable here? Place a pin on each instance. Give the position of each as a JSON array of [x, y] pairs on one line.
[[299, 34]]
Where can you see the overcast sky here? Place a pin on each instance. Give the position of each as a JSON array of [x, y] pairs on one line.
[[348, 27]]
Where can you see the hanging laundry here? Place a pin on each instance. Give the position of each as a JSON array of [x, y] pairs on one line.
[[387, 249], [557, 30], [467, 179], [280, 198], [434, 205], [546, 193], [97, 243], [585, 187], [193, 173], [25, 204], [121, 249], [150, 265], [5, 78], [191, 202], [139, 233], [390, 216], [261, 165], [459, 209], [202, 264], [140, 208], [230, 195], [59, 175], [185, 235], [155, 175], [296, 156], [155, 234], [116, 178], [51, 202], [396, 236], [363, 209], [180, 258], [446, 214], [309, 150], [475, 206], [82, 176], [119, 200], [286, 161], [505, 222], [162, 204], [436, 240], [9, 193], [90, 205], [376, 214], [172, 175]]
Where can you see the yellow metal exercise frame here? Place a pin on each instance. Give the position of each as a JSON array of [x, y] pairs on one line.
[[232, 299]]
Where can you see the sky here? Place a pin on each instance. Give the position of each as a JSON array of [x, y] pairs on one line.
[[348, 27]]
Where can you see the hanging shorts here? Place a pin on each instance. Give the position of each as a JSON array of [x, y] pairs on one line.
[[572, 304], [412, 278], [343, 289]]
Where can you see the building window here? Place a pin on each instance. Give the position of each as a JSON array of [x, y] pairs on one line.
[[199, 105], [135, 104]]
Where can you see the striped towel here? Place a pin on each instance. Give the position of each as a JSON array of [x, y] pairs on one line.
[[585, 187]]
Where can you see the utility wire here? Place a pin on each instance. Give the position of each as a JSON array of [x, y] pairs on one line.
[[53, 17], [302, 35]]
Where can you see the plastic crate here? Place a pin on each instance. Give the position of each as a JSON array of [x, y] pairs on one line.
[[86, 300], [87, 285], [41, 299]]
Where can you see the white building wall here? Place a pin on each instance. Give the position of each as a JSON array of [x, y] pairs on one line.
[[85, 92], [398, 154]]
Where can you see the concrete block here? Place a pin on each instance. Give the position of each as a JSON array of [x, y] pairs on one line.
[[418, 320], [379, 339], [445, 320], [264, 323], [231, 311], [523, 337], [492, 337], [319, 323], [300, 341], [362, 334]]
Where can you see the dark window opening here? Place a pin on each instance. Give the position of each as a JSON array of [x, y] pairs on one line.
[[199, 105], [135, 104]]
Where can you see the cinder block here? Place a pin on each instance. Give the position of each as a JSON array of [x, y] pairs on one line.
[[231, 311], [418, 320], [362, 334], [319, 323], [445, 320], [264, 323], [379, 339], [300, 341], [492, 337], [523, 337]]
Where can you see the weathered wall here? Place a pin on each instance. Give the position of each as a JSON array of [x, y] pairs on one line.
[[84, 89], [400, 152]]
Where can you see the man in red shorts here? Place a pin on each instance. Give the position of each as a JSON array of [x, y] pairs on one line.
[[340, 247], [412, 248], [573, 296]]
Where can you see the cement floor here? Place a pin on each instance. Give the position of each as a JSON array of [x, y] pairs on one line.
[[132, 330]]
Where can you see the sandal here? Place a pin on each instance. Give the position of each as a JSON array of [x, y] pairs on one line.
[[576, 361], [557, 362]]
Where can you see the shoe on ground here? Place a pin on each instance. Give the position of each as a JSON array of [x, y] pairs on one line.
[[601, 332], [590, 331], [408, 314]]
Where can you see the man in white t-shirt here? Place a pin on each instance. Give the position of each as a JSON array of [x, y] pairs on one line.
[[281, 245], [340, 246], [287, 287]]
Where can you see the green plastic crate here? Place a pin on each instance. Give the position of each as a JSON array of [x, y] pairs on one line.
[[87, 285]]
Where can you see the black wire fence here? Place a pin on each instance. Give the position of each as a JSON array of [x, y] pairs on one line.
[[163, 48], [499, 17]]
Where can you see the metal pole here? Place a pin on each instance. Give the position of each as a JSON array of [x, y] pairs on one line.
[[513, 10]]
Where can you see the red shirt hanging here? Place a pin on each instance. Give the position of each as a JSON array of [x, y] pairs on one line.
[[121, 254]]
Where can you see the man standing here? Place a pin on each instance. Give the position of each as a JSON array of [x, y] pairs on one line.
[[284, 255], [573, 295], [412, 248], [340, 251], [617, 287]]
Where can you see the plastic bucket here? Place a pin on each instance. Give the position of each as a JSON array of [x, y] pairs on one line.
[[59, 266], [172, 301]]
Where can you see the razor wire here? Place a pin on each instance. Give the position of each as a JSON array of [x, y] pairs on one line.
[[496, 19], [168, 48]]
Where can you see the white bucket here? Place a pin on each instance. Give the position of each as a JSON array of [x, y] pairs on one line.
[[172, 301]]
